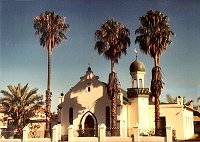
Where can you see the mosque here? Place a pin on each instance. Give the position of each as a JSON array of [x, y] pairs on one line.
[[86, 106]]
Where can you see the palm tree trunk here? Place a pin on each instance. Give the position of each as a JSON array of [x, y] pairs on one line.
[[48, 96], [157, 115], [113, 102], [112, 66], [156, 87], [114, 115]]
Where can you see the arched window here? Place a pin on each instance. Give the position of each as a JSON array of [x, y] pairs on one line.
[[140, 83], [135, 83], [88, 89], [71, 116], [107, 117]]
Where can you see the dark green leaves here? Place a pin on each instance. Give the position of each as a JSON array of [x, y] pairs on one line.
[[51, 28], [20, 104], [112, 40], [154, 33]]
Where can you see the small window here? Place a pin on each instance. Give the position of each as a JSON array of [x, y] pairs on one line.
[[135, 83], [71, 116], [88, 89], [140, 83]]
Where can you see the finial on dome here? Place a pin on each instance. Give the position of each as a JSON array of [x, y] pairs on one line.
[[135, 53], [89, 68], [137, 65], [62, 94]]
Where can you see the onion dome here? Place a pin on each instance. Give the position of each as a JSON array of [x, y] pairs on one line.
[[137, 65]]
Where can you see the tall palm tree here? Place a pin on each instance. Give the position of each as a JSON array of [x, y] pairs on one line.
[[51, 29], [20, 104], [154, 36], [112, 40]]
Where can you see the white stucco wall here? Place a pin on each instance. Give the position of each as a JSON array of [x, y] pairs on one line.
[[175, 116], [83, 101], [188, 123], [132, 113], [143, 112], [138, 112], [123, 121]]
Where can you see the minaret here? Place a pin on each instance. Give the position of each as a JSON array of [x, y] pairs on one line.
[[138, 96], [137, 72]]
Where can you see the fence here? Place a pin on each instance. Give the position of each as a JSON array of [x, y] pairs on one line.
[[8, 136], [5, 134], [36, 134], [135, 134], [102, 136], [112, 132], [151, 132], [27, 138], [89, 132]]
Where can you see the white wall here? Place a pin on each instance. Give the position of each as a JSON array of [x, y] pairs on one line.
[[188, 123], [143, 110], [123, 121], [175, 116], [138, 112], [132, 113], [82, 101]]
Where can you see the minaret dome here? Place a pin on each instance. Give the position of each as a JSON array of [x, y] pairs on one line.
[[137, 65], [137, 72]]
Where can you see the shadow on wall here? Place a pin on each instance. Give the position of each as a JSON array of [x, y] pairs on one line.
[[89, 79], [75, 104]]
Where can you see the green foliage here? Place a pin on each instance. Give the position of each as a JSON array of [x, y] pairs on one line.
[[51, 29], [154, 33], [20, 103], [112, 39]]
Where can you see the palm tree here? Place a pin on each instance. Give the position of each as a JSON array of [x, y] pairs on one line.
[[112, 41], [154, 36], [51, 29], [20, 104]]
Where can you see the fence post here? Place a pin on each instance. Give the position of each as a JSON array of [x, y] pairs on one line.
[[70, 133], [25, 134], [0, 134], [169, 133], [59, 131], [136, 133], [55, 133], [102, 133]]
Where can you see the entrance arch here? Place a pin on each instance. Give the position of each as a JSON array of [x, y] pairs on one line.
[[88, 125]]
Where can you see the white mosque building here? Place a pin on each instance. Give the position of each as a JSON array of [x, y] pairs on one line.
[[86, 105]]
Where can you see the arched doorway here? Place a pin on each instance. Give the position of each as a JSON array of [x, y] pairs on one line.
[[89, 126]]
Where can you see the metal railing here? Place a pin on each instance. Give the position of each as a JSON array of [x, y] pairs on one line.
[[151, 132], [89, 132], [112, 132], [7, 134], [36, 134]]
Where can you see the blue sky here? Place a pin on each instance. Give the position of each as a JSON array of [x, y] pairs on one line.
[[23, 60]]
